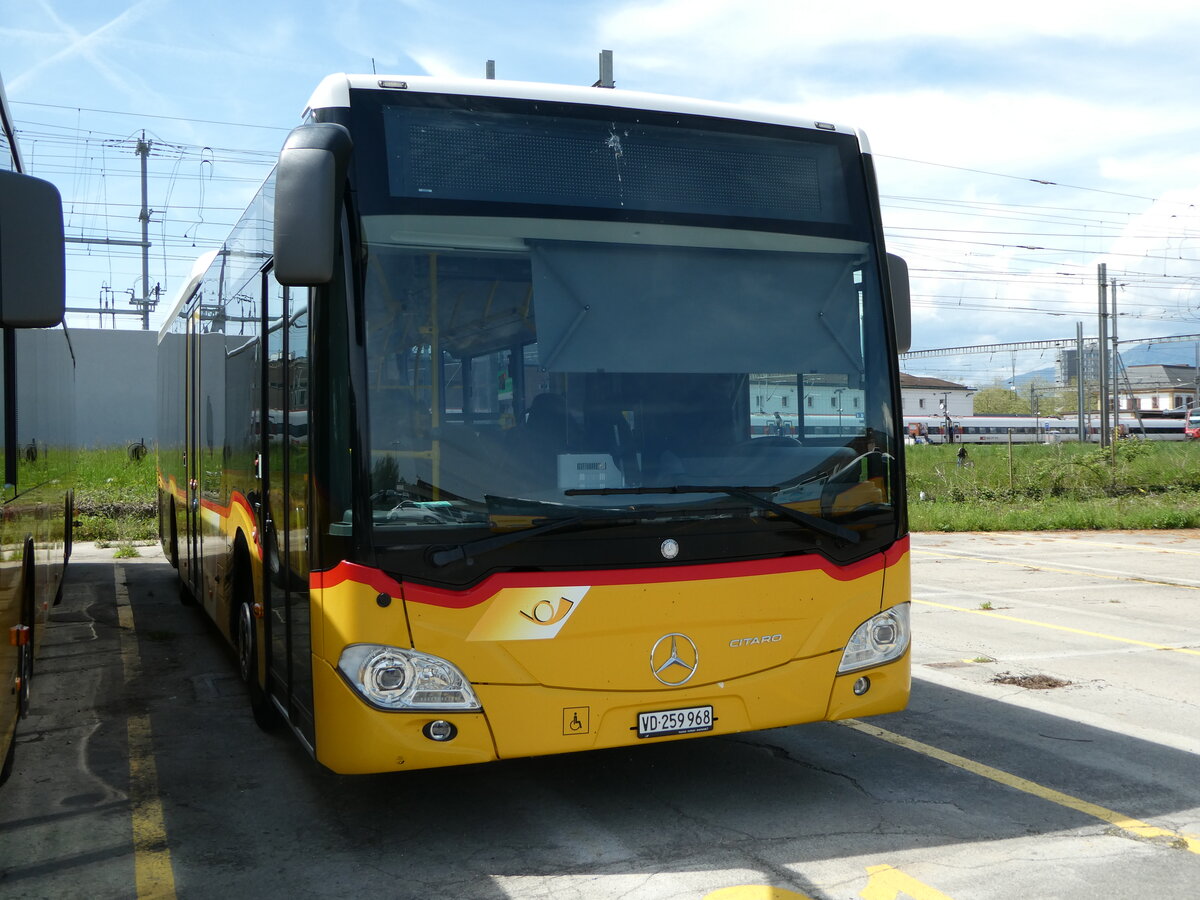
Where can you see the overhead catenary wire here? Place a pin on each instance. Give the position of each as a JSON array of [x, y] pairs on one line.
[[1038, 253]]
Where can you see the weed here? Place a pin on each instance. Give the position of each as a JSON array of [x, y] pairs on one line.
[[1033, 682], [1069, 486], [115, 497], [1057, 486]]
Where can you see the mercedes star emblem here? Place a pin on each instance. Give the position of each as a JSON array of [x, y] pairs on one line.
[[674, 659]]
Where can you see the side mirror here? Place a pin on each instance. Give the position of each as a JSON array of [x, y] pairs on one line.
[[32, 262], [901, 302], [308, 179]]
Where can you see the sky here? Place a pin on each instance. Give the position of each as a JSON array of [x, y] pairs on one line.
[[1017, 145]]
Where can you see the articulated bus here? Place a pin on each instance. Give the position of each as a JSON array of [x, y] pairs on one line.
[[511, 501], [35, 437]]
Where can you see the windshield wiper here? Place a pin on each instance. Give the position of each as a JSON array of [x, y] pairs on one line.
[[749, 493], [443, 556]]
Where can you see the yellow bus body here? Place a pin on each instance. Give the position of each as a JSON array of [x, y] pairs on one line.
[[562, 662]]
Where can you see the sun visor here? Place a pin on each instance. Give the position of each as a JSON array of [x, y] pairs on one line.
[[621, 308]]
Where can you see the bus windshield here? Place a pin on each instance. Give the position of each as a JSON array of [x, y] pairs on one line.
[[505, 364], [576, 330]]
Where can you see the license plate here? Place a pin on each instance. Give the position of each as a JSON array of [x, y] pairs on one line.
[[675, 721]]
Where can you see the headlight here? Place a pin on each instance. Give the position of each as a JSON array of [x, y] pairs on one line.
[[876, 641], [392, 678]]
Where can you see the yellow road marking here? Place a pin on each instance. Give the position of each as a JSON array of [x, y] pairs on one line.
[[1138, 547], [1144, 830], [1095, 634], [883, 883], [755, 892], [1037, 567], [151, 856], [888, 883]]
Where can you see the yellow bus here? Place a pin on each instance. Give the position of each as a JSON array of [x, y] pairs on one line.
[[35, 437], [458, 442]]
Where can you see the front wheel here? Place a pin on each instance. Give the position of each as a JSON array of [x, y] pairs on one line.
[[265, 715], [186, 597], [25, 675], [6, 768]]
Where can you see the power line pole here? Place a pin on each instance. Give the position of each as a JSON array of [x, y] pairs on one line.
[[143, 150], [143, 304], [1103, 348], [1116, 363], [1079, 385]]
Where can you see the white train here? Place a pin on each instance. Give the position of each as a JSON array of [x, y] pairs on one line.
[[847, 425], [1031, 429]]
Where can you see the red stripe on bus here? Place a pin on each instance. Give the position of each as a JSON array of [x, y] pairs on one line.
[[896, 552], [353, 572], [486, 589]]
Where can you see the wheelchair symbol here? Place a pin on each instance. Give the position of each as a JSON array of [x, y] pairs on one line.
[[575, 720]]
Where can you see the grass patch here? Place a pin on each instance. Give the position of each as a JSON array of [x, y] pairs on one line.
[[1149, 485], [1143, 485], [115, 497], [1166, 510]]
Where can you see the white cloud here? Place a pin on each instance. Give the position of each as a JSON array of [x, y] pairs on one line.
[[756, 28], [1098, 95]]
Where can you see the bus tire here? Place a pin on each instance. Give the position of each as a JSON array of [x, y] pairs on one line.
[[69, 527], [68, 542], [29, 616], [186, 597], [9, 758], [266, 716], [25, 651], [25, 673], [172, 536]]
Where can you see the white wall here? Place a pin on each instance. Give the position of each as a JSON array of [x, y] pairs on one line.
[[958, 403], [115, 390]]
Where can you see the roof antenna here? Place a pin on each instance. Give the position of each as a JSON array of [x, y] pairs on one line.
[[606, 70], [490, 70]]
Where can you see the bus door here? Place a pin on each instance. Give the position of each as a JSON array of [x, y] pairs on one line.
[[285, 492], [190, 561]]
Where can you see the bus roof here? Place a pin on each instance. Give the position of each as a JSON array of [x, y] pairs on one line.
[[199, 267], [8, 129], [334, 91]]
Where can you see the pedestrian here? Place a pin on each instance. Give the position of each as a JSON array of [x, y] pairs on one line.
[[962, 455]]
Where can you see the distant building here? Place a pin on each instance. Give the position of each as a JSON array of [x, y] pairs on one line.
[[1158, 390], [920, 396], [823, 395], [1066, 366]]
